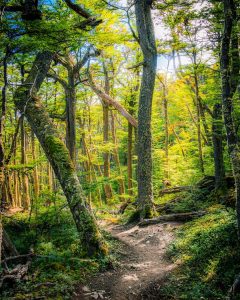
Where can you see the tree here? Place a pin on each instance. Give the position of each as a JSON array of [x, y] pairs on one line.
[[69, 86], [217, 137], [144, 144], [27, 102], [230, 64]]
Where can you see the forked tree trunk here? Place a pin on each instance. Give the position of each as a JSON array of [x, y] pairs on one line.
[[144, 146], [57, 154]]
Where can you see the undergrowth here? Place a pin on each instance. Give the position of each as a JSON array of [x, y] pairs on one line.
[[207, 256], [59, 264]]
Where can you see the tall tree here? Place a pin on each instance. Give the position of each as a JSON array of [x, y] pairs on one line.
[[217, 138], [144, 145], [230, 65], [27, 102], [69, 86]]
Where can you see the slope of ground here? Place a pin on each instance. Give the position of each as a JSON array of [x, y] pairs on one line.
[[142, 263]]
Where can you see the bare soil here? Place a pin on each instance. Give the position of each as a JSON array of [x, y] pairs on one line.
[[143, 264]]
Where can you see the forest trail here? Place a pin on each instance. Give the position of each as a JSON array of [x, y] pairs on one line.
[[143, 264]]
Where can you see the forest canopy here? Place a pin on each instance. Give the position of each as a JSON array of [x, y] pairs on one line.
[[119, 112]]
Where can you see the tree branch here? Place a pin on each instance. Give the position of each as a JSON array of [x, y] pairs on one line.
[[58, 79], [83, 61], [78, 9], [108, 100]]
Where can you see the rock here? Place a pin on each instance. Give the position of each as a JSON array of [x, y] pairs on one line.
[[95, 295], [86, 289]]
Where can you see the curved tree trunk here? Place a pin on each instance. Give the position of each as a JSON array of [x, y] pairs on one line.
[[57, 154]]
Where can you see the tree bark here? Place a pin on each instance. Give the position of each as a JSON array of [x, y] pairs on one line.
[[71, 116], [35, 171], [8, 248], [116, 156], [166, 129], [26, 202], [106, 154], [57, 154], [70, 94], [217, 138], [230, 78], [144, 145]]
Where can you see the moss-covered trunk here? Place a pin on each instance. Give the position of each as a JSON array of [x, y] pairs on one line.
[[144, 145], [230, 65], [57, 154]]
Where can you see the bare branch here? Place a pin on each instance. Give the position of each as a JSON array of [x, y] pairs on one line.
[[110, 101]]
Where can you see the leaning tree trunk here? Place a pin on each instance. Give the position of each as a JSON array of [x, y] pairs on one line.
[[230, 78], [57, 154], [144, 145], [8, 248]]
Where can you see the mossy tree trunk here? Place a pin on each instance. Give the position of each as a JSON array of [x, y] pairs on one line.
[[58, 155], [144, 145], [230, 64]]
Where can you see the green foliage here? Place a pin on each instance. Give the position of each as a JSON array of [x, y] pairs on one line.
[[53, 237], [207, 257]]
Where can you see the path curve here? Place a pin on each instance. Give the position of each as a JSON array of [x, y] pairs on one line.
[[142, 263]]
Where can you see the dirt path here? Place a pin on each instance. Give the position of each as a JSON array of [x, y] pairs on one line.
[[142, 263]]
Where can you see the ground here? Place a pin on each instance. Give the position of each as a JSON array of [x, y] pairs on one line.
[[143, 264]]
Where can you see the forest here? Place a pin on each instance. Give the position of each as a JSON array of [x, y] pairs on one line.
[[119, 149]]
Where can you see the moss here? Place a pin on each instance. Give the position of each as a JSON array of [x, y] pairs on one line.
[[59, 154], [207, 254], [55, 239], [134, 217]]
